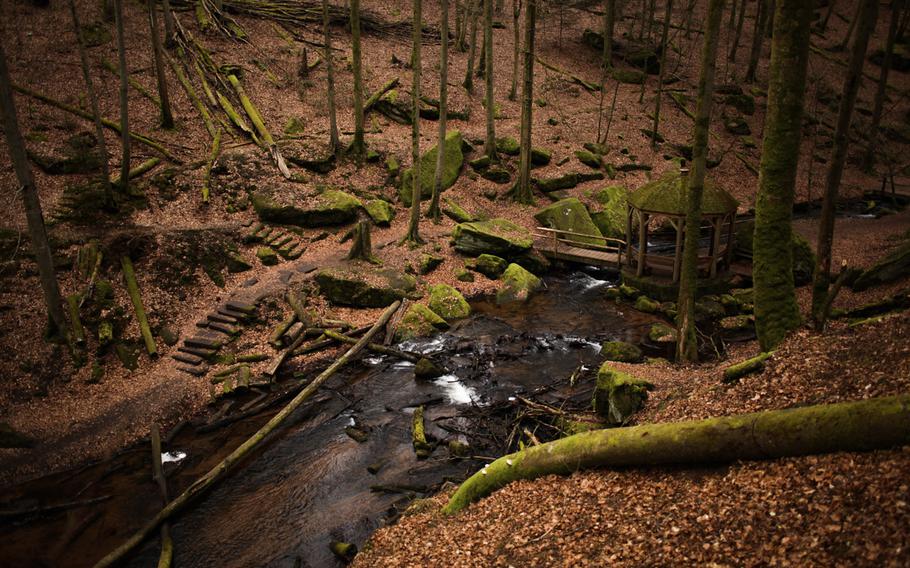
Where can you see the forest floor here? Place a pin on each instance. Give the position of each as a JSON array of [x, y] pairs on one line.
[[816, 510]]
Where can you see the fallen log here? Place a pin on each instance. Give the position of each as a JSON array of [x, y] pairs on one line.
[[167, 543], [739, 370], [132, 81], [205, 482], [259, 124], [142, 168], [374, 98], [194, 98], [850, 426], [132, 288], [376, 348]]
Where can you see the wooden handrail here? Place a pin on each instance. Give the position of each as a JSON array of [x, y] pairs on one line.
[[601, 237]]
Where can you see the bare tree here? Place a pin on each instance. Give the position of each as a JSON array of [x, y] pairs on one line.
[[757, 37], [358, 147], [516, 43], [334, 142], [663, 64], [878, 105], [434, 212], [124, 98], [469, 72], [413, 234], [167, 119], [523, 193], [489, 146]]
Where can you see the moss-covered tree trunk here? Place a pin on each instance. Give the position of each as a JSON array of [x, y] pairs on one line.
[[877, 423], [869, 159], [663, 64], [358, 147], [758, 35], [821, 276], [687, 345], [468, 82], [96, 112], [516, 47], [167, 118], [36, 229], [124, 98], [489, 147], [776, 311], [413, 234], [334, 141], [170, 36], [434, 212], [523, 193]]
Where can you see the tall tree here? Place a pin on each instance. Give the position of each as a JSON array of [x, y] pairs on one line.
[[167, 119], [334, 142], [820, 279], [609, 23], [96, 112], [824, 23], [489, 147], [516, 44], [170, 37], [737, 34], [856, 17], [434, 212], [687, 345], [776, 311], [413, 234], [472, 51], [358, 147], [761, 7], [523, 193], [869, 159], [124, 98], [663, 64], [36, 229]]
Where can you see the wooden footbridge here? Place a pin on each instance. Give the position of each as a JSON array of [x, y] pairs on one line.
[[568, 246]]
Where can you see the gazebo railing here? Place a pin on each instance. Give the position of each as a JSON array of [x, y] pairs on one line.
[[557, 240]]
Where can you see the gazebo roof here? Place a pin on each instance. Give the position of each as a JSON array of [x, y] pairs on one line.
[[667, 195]]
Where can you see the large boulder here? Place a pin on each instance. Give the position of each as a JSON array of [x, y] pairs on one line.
[[618, 395], [499, 237], [448, 303], [330, 207], [364, 287], [570, 215], [611, 219], [79, 155], [620, 351], [453, 159], [894, 266], [419, 321], [489, 265], [517, 285]]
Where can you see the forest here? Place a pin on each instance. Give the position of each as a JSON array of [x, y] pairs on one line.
[[305, 283]]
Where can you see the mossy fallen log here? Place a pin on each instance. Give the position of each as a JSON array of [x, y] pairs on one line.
[[142, 168], [418, 435], [850, 426], [132, 287], [251, 111], [167, 543], [280, 330], [739, 370], [236, 119], [194, 98], [132, 81], [372, 100], [72, 302]]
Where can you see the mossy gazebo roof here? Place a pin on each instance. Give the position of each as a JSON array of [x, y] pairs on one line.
[[667, 196]]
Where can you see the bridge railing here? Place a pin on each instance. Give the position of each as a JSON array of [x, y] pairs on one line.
[[558, 238]]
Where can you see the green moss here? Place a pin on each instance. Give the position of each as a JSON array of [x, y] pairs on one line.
[[480, 163], [380, 211], [235, 263], [618, 395], [267, 256], [448, 303], [508, 146], [611, 220], [621, 351], [668, 195], [517, 285], [566, 181], [364, 287], [490, 265], [739, 370], [456, 212], [540, 156], [452, 162], [628, 76], [418, 435], [331, 207], [662, 333], [428, 263], [570, 215], [646, 304], [496, 174], [496, 236], [589, 159], [419, 321], [736, 323]]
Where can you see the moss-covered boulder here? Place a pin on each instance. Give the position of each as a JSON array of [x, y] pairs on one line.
[[453, 159], [330, 207], [429, 263], [589, 159], [570, 215], [500, 237], [894, 266], [540, 156], [618, 395], [517, 285], [565, 181], [661, 333], [629, 76], [741, 102], [647, 305], [496, 174], [364, 287], [709, 309], [267, 256], [508, 146], [738, 126], [419, 321], [448, 303], [480, 162], [380, 211], [455, 212], [621, 351], [490, 265], [611, 219]]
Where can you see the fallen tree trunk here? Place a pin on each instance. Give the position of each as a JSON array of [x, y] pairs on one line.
[[132, 287], [849, 426], [167, 543], [205, 482]]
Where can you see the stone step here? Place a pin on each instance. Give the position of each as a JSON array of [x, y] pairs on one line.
[[188, 358], [275, 237], [240, 306], [202, 323], [198, 351], [204, 341], [239, 316], [292, 250], [197, 371], [279, 243], [221, 318], [224, 328]]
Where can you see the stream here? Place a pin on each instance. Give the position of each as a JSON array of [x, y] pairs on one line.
[[313, 483]]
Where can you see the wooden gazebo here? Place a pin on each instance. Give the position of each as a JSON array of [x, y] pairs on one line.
[[666, 197]]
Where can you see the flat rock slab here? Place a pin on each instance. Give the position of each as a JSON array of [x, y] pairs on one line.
[[224, 328], [240, 316], [241, 306], [221, 318], [198, 351], [207, 342], [197, 371], [187, 358]]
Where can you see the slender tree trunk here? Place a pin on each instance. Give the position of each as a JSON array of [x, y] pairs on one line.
[[824, 23], [482, 59], [690, 11], [472, 52], [434, 212], [170, 36], [96, 112], [687, 346], [776, 311], [609, 23], [523, 195], [124, 98], [867, 16], [334, 141], [167, 119], [769, 20], [36, 229], [869, 159], [846, 41], [761, 7], [516, 43], [489, 147], [663, 63], [359, 145], [413, 234], [738, 34], [650, 19]]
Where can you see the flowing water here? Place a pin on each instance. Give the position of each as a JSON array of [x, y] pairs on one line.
[[312, 483]]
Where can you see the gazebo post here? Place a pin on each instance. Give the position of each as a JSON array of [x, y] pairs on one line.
[[728, 257], [715, 243], [642, 242], [677, 254], [629, 212]]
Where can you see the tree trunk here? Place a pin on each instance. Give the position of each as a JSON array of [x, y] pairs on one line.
[[877, 423], [687, 346], [758, 36], [489, 147], [663, 64], [124, 98], [434, 212], [856, 17], [170, 37], [36, 229], [413, 234], [359, 145], [468, 83], [824, 23], [167, 119], [523, 194], [769, 20], [867, 16], [738, 34], [776, 311], [516, 44], [609, 23], [869, 159], [361, 247], [96, 112], [334, 143]]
